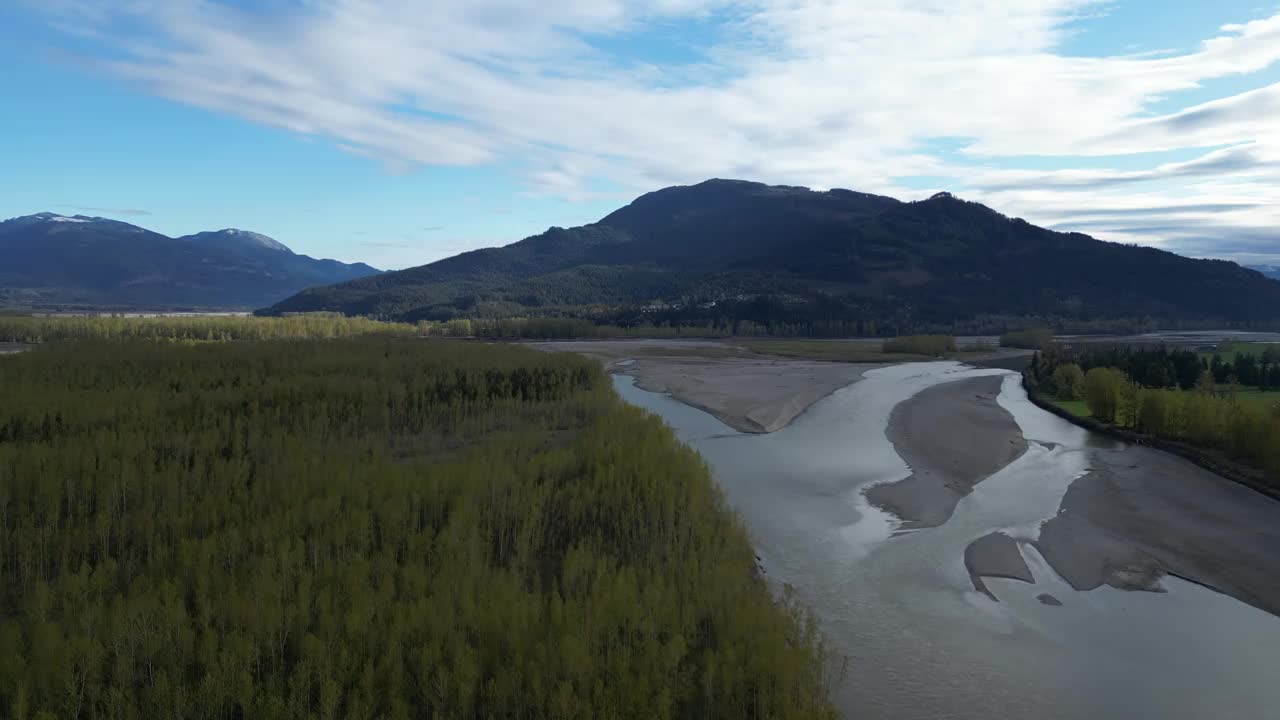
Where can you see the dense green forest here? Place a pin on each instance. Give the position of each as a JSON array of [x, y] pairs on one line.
[[25, 328], [1175, 368], [1172, 395], [370, 528], [16, 328]]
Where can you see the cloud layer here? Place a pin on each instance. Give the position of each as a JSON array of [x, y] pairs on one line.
[[605, 97]]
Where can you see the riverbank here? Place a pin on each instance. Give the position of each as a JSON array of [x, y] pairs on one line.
[[1140, 514], [1214, 461], [1135, 516], [1132, 517]]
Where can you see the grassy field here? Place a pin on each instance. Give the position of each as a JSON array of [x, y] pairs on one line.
[[1079, 408], [850, 351], [1229, 350], [1259, 398]]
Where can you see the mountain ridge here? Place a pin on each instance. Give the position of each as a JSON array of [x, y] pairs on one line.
[[1271, 271], [732, 249], [56, 260]]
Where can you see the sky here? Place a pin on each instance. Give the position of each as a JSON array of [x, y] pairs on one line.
[[398, 132]]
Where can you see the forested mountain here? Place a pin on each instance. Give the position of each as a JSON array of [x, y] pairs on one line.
[[733, 249], [52, 260], [1271, 271]]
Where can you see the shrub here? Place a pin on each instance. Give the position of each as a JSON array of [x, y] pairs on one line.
[[1103, 388], [921, 345], [1068, 380], [1031, 339]]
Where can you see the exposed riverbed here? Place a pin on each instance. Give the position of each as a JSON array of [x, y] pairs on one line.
[[926, 610]]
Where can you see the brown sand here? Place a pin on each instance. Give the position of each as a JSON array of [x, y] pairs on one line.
[[953, 436], [995, 555], [748, 392], [1142, 513], [1138, 515]]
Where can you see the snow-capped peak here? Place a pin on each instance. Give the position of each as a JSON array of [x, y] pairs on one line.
[[240, 238]]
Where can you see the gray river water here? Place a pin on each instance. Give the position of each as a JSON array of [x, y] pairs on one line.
[[921, 642]]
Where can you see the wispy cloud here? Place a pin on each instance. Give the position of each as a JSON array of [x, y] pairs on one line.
[[398, 245], [129, 212], [811, 92]]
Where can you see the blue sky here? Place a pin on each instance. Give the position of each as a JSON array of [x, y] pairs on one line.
[[397, 132]]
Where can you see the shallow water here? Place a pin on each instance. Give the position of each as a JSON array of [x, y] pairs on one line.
[[922, 642]]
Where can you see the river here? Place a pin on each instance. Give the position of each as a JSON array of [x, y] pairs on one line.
[[921, 641]]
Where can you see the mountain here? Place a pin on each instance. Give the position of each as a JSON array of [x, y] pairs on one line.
[[733, 249], [1271, 271], [53, 260], [237, 240]]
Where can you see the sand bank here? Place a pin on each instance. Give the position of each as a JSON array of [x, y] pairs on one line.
[[953, 436], [748, 392], [1142, 513], [1137, 515]]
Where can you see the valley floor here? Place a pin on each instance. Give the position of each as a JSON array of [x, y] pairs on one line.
[[745, 385], [1134, 516]]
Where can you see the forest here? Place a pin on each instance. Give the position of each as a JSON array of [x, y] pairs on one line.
[[209, 328], [1175, 368], [370, 528], [1172, 394]]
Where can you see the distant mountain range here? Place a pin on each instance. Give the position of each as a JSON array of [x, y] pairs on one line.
[[742, 250], [50, 260], [1271, 271]]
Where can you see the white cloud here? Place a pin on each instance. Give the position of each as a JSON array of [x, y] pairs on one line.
[[817, 92]]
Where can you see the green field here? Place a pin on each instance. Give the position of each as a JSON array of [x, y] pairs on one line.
[[1259, 398], [1079, 408], [1228, 351], [849, 351]]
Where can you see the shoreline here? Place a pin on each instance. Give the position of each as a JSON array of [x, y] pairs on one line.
[[1136, 516], [1211, 460]]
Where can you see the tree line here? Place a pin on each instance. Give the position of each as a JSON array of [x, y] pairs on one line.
[[370, 528], [206, 328], [1199, 412], [1174, 368]]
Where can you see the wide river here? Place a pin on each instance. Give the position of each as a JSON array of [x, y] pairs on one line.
[[921, 642]]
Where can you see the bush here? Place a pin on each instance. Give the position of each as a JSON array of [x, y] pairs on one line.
[[933, 345], [1068, 381], [1032, 339], [1103, 388]]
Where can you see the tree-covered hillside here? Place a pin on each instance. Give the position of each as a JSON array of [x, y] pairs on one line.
[[371, 528], [745, 251]]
